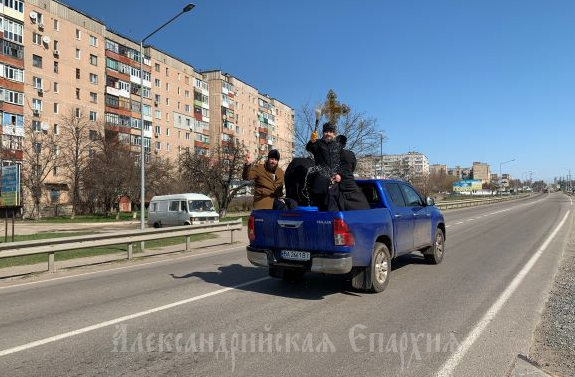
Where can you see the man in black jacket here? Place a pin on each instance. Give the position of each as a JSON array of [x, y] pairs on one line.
[[327, 156]]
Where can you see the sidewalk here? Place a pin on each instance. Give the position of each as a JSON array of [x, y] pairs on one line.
[[221, 241]]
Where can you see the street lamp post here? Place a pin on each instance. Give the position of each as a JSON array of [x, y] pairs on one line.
[[568, 179], [500, 175], [186, 9]]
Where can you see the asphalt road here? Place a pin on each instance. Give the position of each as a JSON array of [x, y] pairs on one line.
[[469, 316]]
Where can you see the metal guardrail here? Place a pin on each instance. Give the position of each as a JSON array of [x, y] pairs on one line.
[[476, 202], [51, 246]]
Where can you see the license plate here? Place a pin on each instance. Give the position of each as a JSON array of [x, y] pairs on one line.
[[295, 255]]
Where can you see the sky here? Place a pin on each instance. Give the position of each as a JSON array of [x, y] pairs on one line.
[[458, 80]]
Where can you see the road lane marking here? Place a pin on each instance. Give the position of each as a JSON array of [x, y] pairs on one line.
[[461, 222], [100, 325], [449, 366], [125, 267], [447, 226]]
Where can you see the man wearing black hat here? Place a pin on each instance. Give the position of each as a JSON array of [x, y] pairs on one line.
[[268, 179], [351, 197], [327, 155]]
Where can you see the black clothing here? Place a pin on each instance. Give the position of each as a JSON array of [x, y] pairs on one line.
[[351, 196], [327, 156], [295, 180]]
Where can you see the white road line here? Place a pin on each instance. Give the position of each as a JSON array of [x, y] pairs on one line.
[[461, 222], [122, 319], [449, 366], [124, 267], [447, 226]]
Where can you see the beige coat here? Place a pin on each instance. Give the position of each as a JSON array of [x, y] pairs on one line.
[[267, 188]]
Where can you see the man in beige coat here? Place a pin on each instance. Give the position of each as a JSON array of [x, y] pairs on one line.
[[268, 179]]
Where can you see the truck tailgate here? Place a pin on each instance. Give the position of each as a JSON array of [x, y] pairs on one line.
[[295, 230]]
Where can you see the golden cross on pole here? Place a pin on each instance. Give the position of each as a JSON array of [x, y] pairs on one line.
[[332, 109]]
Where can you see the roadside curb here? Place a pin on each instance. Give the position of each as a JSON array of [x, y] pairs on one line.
[[524, 367]]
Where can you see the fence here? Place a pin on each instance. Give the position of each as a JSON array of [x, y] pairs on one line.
[[53, 245]]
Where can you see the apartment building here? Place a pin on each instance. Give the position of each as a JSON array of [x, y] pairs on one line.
[[12, 83], [65, 67], [438, 169], [403, 166], [56, 61], [459, 172], [174, 115], [124, 84], [481, 171], [240, 113]]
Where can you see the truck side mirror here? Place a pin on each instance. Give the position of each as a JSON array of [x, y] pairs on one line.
[[429, 201]]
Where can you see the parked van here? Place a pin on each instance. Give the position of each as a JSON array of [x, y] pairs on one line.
[[181, 209]]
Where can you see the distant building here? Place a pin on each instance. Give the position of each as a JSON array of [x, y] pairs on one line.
[[438, 169], [459, 172], [480, 171], [403, 166]]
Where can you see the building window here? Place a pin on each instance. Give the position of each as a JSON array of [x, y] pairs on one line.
[[167, 86], [187, 136], [157, 83], [93, 59], [167, 101], [77, 93], [93, 41], [56, 25], [36, 104], [36, 126], [78, 34], [158, 114], [12, 30], [37, 82], [54, 193], [37, 38], [17, 5], [188, 108], [167, 71], [158, 130], [78, 73], [78, 53], [167, 132], [56, 129], [157, 67], [93, 116], [93, 97], [93, 135], [37, 61], [56, 45], [168, 147], [55, 108], [56, 65], [56, 87], [78, 112], [93, 78]]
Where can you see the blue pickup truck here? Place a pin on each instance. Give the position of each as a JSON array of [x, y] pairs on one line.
[[361, 243]]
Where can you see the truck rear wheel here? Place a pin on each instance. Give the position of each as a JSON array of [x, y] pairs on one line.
[[375, 277], [434, 253]]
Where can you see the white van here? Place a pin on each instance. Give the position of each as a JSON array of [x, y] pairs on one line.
[[181, 209]]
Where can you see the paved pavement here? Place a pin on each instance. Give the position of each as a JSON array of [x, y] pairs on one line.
[[160, 316]]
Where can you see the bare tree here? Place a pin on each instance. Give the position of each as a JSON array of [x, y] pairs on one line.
[[39, 159], [441, 182], [110, 173], [219, 174], [78, 136], [363, 136]]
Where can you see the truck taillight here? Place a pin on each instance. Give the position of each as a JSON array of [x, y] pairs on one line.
[[342, 236], [251, 228]]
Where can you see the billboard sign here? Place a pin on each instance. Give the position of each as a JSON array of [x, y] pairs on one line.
[[10, 189], [467, 185]]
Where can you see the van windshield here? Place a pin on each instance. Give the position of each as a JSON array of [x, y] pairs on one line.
[[200, 205]]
